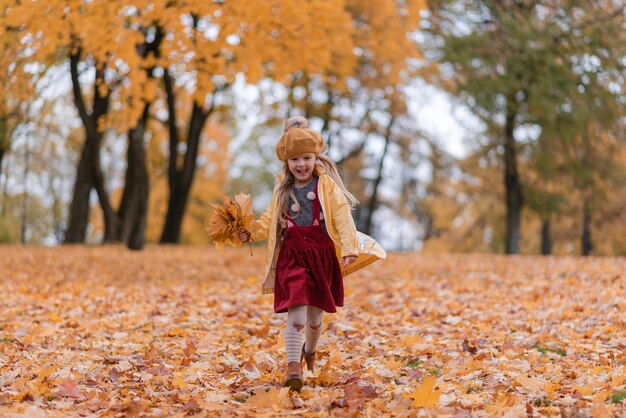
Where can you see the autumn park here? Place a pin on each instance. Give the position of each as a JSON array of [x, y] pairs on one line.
[[155, 156]]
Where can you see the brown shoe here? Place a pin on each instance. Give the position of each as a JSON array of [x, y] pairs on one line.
[[294, 376], [309, 358]]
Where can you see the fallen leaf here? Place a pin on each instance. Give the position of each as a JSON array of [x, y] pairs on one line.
[[69, 389], [274, 398], [425, 395]]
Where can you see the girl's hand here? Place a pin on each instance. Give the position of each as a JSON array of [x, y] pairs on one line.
[[244, 235], [347, 260]]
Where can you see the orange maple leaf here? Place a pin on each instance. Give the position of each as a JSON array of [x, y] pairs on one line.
[[425, 395]]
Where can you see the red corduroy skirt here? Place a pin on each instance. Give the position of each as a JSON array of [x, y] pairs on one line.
[[307, 271]]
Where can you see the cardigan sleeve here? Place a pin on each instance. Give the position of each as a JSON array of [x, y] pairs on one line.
[[263, 226], [343, 222], [262, 230]]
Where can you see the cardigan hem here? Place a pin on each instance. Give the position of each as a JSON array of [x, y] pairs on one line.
[[351, 268]]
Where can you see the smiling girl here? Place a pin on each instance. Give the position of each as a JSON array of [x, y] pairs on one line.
[[309, 229]]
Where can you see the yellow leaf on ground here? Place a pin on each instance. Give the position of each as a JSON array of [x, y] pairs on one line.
[[55, 318], [273, 398], [393, 364], [584, 390], [47, 372], [178, 383], [530, 384], [176, 332], [602, 396], [425, 395]]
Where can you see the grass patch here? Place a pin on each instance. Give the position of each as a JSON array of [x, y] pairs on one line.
[[618, 396], [414, 364], [541, 403], [435, 372], [543, 350]]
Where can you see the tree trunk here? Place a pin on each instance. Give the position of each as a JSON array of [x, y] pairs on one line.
[[546, 239], [88, 173], [4, 146], [514, 197], [133, 211], [373, 202], [23, 237], [587, 244], [4, 139], [328, 108], [5, 190], [136, 238], [2, 201], [180, 179], [57, 218], [79, 208], [110, 217]]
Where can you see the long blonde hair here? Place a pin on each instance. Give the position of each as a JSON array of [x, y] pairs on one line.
[[285, 187]]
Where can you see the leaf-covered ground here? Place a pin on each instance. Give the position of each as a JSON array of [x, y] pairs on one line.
[[174, 331]]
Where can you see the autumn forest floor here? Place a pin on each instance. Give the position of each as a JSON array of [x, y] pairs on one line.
[[174, 331]]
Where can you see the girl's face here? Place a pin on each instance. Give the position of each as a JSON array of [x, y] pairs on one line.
[[302, 167]]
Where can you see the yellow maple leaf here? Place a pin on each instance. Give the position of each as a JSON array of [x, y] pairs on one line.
[[425, 396], [602, 410], [45, 372], [551, 389], [39, 388], [618, 380], [393, 364], [178, 382], [176, 332], [584, 390], [530, 384], [502, 402], [602, 396], [273, 398], [55, 318]]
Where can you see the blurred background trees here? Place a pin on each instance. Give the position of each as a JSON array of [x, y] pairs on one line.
[[121, 121]]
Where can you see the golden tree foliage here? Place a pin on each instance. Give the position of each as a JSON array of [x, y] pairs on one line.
[[100, 31], [369, 49], [108, 332], [381, 33], [205, 45], [16, 84], [209, 42]]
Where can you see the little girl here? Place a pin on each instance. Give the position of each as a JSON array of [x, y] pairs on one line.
[[309, 228]]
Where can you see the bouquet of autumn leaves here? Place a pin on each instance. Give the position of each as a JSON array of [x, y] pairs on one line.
[[228, 219]]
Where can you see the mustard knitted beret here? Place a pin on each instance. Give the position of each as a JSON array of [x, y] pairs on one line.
[[298, 139]]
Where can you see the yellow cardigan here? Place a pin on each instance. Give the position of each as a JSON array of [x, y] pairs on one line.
[[339, 225]]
